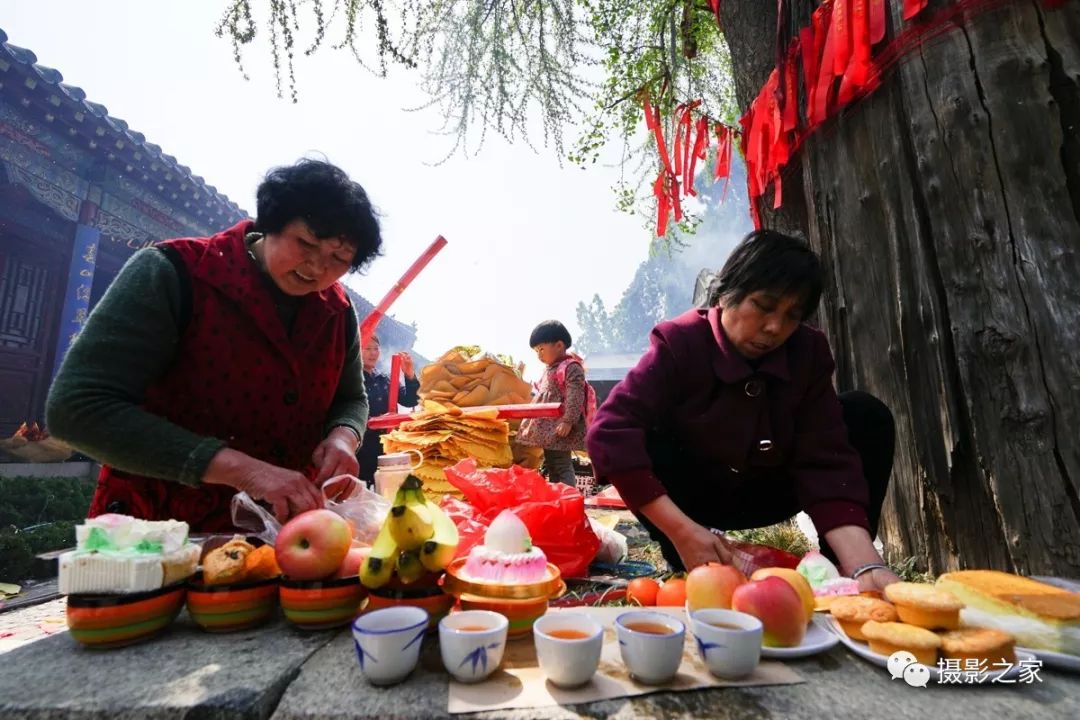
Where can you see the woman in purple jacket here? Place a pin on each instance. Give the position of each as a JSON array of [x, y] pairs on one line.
[[730, 421]]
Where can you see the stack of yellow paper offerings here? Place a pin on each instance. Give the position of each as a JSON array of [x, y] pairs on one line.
[[445, 434], [467, 378]]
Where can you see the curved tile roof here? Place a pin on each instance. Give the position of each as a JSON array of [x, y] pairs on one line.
[[60, 94]]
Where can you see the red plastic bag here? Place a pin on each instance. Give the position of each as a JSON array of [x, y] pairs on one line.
[[554, 513], [751, 557]]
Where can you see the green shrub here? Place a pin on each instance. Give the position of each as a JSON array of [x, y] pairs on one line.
[[38, 515], [26, 501], [16, 557]]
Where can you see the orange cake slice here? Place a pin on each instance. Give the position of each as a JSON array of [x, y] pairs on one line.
[[1038, 615]]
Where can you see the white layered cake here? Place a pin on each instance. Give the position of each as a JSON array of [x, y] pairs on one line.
[[120, 554], [507, 556]]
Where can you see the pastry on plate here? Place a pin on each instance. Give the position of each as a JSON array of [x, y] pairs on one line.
[[925, 605], [982, 644], [885, 638], [855, 610], [1038, 615]]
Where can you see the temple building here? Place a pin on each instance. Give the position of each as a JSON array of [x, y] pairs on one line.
[[80, 192]]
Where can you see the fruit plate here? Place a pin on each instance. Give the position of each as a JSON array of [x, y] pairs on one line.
[[1061, 661], [817, 640], [938, 676]]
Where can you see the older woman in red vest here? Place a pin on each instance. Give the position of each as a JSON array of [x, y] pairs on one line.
[[215, 365]]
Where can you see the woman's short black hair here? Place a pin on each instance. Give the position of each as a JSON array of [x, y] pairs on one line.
[[549, 331], [324, 197], [768, 260]]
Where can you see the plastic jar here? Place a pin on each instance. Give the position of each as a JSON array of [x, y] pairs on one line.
[[392, 470]]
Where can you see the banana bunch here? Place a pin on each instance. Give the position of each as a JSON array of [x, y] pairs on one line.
[[416, 538]]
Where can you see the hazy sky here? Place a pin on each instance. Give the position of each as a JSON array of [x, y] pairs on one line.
[[527, 238]]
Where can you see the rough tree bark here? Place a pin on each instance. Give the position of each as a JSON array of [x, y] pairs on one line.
[[947, 209]]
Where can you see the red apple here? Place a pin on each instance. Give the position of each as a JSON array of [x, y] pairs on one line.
[[350, 566], [779, 608], [797, 582], [312, 545], [711, 586]]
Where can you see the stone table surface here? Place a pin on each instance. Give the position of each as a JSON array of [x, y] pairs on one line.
[[281, 673]]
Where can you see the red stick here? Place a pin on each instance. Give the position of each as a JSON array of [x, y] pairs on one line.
[[367, 327], [395, 380], [506, 412]]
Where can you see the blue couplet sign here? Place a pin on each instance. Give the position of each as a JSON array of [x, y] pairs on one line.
[[80, 281]]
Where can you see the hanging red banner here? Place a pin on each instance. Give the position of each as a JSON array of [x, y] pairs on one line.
[[841, 35], [877, 21], [913, 8], [791, 89], [700, 144], [824, 81], [860, 41]]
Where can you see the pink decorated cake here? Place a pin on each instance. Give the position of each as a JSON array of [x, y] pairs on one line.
[[507, 556]]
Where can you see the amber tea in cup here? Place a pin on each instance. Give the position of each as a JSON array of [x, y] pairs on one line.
[[652, 628], [473, 628], [725, 626], [568, 634]]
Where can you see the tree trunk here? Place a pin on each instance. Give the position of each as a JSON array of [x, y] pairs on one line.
[[947, 210]]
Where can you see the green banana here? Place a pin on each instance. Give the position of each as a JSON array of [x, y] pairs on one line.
[[410, 518], [436, 553], [379, 565], [409, 568]]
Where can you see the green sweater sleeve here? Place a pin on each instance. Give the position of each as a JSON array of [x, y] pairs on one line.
[[350, 406], [128, 342]]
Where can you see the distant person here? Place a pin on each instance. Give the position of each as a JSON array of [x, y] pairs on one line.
[[563, 382], [378, 394], [227, 363], [730, 421]]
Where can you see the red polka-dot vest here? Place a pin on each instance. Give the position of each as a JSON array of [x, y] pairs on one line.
[[238, 376]]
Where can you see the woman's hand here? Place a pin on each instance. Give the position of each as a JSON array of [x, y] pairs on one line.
[[336, 455], [698, 545], [876, 580], [288, 492], [407, 365], [854, 547], [562, 429]]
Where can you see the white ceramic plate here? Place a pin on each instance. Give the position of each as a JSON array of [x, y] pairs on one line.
[[1057, 660], [863, 650], [817, 639]]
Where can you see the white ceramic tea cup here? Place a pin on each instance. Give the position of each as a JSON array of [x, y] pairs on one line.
[[651, 658], [472, 643], [388, 643], [729, 652], [568, 661]]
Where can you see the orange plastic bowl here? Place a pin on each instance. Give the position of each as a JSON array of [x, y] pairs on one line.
[[229, 607], [433, 600], [319, 604], [104, 621]]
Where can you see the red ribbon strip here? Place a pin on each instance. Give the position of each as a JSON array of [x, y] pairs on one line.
[[841, 34], [877, 21], [913, 8]]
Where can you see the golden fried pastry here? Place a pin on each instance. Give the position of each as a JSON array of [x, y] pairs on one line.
[[989, 646], [226, 563], [885, 638], [852, 611], [924, 605]]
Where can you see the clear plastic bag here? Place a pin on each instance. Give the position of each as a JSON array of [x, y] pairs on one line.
[[365, 510], [254, 519]]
